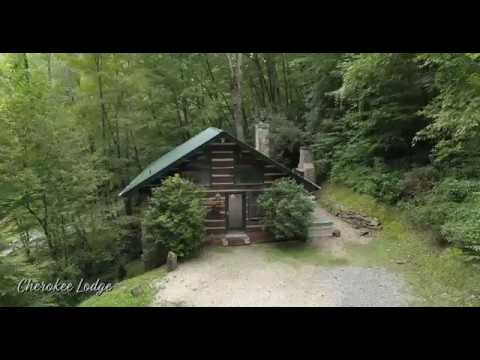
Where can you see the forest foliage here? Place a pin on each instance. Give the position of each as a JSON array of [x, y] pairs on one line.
[[76, 128]]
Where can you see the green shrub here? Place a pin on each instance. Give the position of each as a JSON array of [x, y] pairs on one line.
[[175, 217], [154, 254], [463, 226], [9, 278], [322, 169], [457, 190], [428, 213], [358, 177], [287, 209], [464, 232], [389, 187], [452, 210], [419, 180], [375, 181]]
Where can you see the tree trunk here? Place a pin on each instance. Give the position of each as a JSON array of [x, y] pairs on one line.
[[285, 81], [273, 81], [222, 95], [135, 152], [235, 62], [49, 67], [43, 222], [261, 80], [26, 67], [103, 110], [24, 237]]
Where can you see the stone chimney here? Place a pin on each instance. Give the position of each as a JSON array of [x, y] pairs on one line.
[[262, 138], [305, 164]]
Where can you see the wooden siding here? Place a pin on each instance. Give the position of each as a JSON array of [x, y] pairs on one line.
[[221, 160]]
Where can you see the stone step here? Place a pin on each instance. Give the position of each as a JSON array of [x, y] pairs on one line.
[[238, 242], [320, 229], [319, 236], [321, 223], [326, 233], [236, 239]]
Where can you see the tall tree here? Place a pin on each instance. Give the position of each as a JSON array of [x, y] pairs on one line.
[[235, 63]]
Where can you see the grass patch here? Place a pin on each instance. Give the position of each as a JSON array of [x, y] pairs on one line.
[[438, 275], [135, 268], [121, 295]]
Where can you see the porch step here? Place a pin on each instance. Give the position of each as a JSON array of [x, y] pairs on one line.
[[321, 223], [236, 239], [320, 228]]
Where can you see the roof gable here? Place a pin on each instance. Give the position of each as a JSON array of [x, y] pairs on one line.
[[166, 161], [172, 156], [310, 185]]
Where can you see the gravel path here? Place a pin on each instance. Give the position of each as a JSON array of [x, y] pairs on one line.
[[247, 276]]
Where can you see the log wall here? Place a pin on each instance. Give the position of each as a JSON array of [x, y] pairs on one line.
[[221, 159]]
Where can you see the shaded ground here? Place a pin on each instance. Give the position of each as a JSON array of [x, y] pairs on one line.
[[283, 275]]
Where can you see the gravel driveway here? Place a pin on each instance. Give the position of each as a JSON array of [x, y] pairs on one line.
[[247, 276]]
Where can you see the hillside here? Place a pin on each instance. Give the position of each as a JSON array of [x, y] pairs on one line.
[[137, 291]]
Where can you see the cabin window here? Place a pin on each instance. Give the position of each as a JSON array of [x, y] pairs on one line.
[[248, 174], [254, 211], [199, 176], [197, 170]]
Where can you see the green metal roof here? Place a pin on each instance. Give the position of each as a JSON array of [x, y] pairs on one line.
[[171, 157], [190, 146]]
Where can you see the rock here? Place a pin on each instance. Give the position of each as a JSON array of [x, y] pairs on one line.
[[7, 252], [364, 233], [358, 220], [400, 262], [137, 291], [336, 233], [171, 261], [161, 287]]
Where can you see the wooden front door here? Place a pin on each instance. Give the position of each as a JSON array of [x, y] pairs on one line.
[[236, 211]]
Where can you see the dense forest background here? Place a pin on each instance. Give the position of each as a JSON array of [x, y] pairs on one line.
[[76, 128]]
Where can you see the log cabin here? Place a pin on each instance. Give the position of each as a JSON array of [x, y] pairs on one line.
[[233, 173]]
